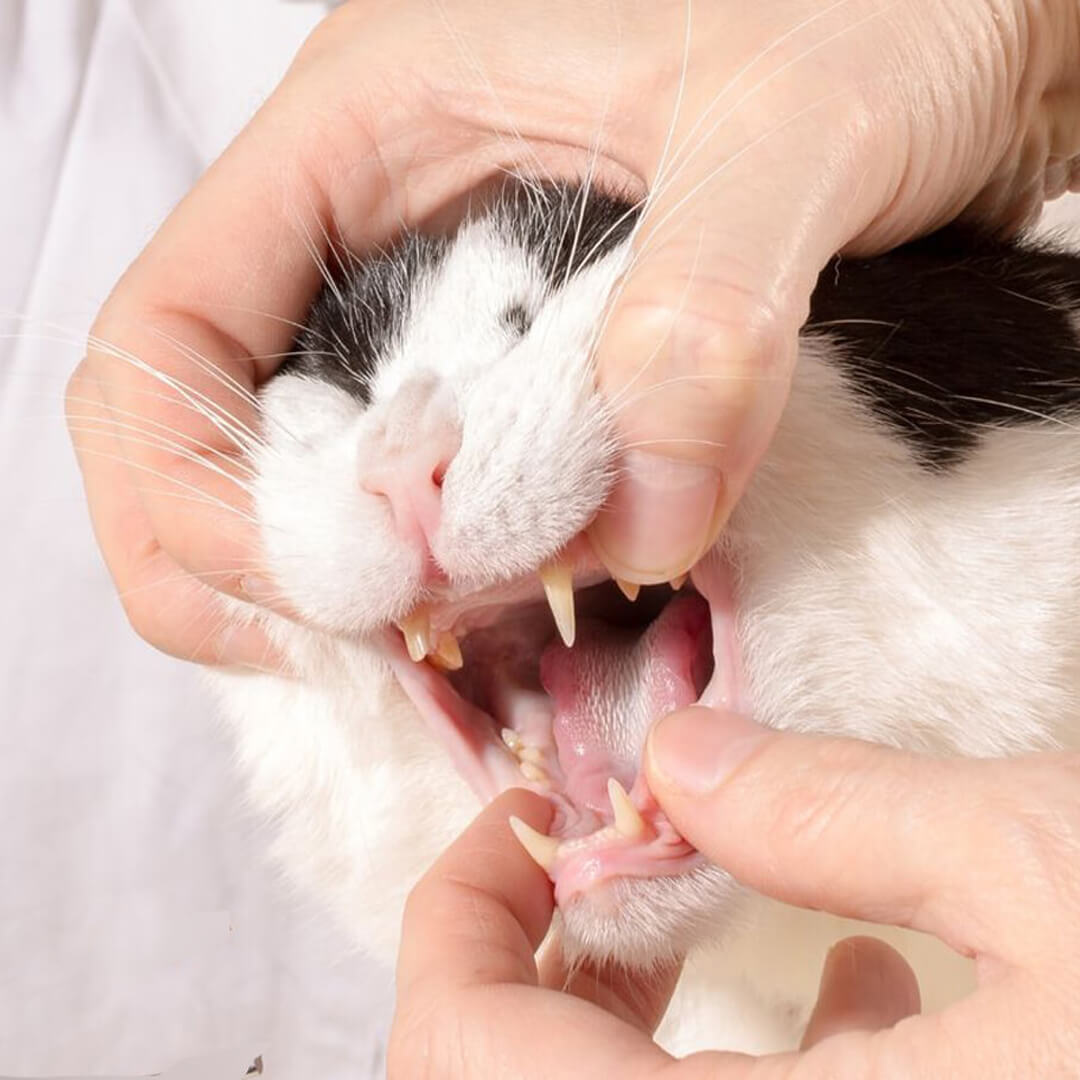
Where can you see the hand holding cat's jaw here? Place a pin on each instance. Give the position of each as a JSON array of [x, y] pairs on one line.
[[956, 847], [473, 1000]]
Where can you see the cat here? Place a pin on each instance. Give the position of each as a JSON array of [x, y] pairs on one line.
[[905, 567]]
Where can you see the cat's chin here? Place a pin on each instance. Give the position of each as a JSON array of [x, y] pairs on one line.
[[533, 685]]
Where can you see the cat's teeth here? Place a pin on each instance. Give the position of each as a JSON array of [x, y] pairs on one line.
[[417, 631], [678, 582], [542, 849], [447, 654], [628, 822], [531, 771], [558, 581], [532, 753], [629, 589], [511, 738]]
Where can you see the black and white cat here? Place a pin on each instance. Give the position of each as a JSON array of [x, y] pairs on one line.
[[905, 567]]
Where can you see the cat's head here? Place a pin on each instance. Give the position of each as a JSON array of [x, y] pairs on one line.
[[434, 452]]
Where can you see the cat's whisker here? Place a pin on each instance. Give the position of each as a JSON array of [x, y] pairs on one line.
[[638, 444], [197, 495], [226, 424], [222, 377], [518, 141], [94, 425], [102, 409], [316, 256], [685, 153], [155, 431]]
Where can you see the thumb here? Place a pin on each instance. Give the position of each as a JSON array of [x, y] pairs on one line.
[[699, 348], [853, 828]]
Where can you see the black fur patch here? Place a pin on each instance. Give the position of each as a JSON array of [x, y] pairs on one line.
[[569, 229], [354, 322], [955, 333], [943, 337]]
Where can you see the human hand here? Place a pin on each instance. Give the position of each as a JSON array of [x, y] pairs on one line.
[[896, 116], [804, 128], [473, 1002], [983, 854]]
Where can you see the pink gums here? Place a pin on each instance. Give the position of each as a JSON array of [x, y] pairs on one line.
[[601, 698]]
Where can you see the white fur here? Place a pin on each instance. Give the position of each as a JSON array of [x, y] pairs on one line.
[[936, 611]]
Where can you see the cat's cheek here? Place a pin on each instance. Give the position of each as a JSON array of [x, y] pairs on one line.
[[327, 546], [338, 757]]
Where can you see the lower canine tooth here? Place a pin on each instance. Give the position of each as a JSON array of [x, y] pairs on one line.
[[628, 822], [417, 631], [447, 654], [542, 849], [558, 581]]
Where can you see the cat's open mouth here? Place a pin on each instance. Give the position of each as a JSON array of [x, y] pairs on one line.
[[556, 693]]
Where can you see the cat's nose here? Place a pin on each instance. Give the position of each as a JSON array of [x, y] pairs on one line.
[[407, 464]]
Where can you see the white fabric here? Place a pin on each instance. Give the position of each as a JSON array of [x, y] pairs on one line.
[[139, 924]]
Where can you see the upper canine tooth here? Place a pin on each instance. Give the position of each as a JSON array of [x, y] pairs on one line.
[[417, 630], [628, 822], [558, 581], [542, 849], [629, 589], [447, 654]]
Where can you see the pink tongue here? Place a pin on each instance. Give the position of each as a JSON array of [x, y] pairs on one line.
[[609, 688]]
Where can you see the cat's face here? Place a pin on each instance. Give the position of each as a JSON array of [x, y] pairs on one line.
[[433, 457]]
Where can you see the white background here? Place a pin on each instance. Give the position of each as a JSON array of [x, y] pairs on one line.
[[139, 927]]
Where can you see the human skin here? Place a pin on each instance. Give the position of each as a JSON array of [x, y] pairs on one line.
[[982, 854], [769, 136]]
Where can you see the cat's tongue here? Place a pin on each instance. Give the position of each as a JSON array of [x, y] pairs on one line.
[[610, 687]]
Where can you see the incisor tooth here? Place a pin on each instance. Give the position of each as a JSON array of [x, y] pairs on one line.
[[629, 589], [678, 582], [628, 822], [531, 771], [417, 631], [447, 654], [558, 581], [542, 849]]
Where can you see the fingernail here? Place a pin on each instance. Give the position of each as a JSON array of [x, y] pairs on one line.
[[662, 517], [693, 751]]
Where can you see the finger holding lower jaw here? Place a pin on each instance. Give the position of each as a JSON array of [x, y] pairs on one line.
[[804, 819], [468, 1000], [640, 997], [480, 913]]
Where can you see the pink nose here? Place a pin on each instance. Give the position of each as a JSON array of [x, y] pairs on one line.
[[420, 439]]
